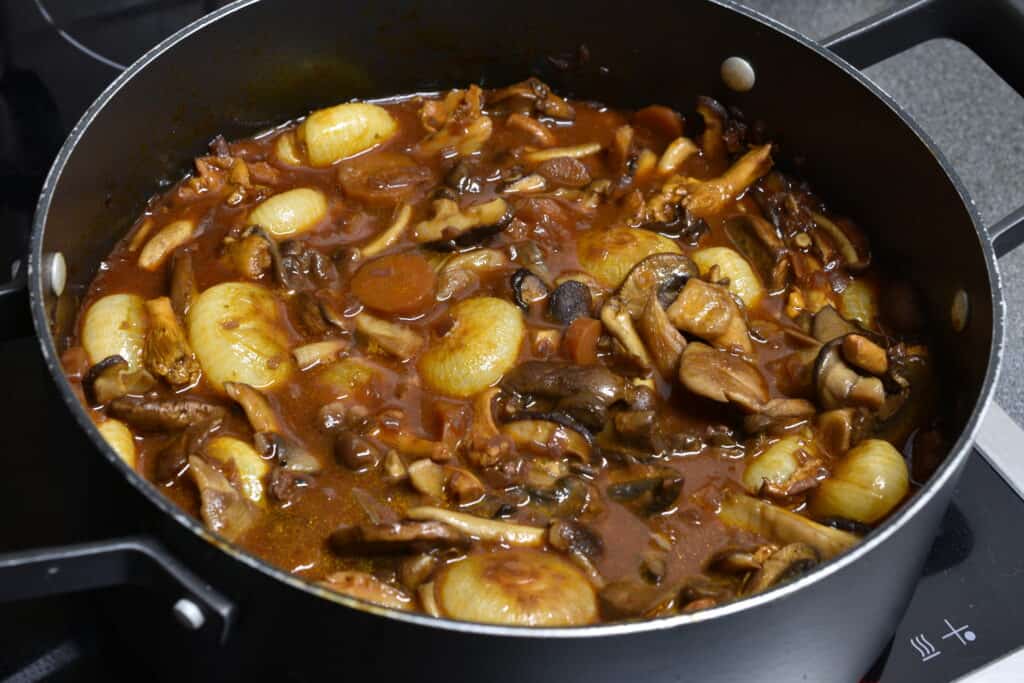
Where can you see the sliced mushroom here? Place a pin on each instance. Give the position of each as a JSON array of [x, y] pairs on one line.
[[650, 495], [544, 100], [660, 274], [172, 461], [290, 455], [452, 227], [722, 377], [325, 352], [397, 340], [783, 526], [759, 243], [527, 288], [355, 452], [709, 312], [575, 538], [396, 538], [457, 124], [616, 318], [549, 438], [709, 198], [863, 353], [223, 508], [483, 529], [854, 252], [261, 415], [167, 352], [660, 337], [779, 413], [369, 588], [529, 184], [165, 414], [582, 392], [394, 232], [183, 282], [714, 116], [827, 325], [487, 446], [459, 271], [113, 378], [839, 386], [785, 564]]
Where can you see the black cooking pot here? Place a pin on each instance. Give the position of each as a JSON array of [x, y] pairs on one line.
[[254, 64]]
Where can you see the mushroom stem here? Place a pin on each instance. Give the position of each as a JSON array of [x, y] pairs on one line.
[[484, 529]]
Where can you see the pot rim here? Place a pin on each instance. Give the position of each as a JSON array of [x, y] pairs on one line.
[[939, 480]]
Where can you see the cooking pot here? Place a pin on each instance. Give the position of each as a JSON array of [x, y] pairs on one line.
[[255, 63]]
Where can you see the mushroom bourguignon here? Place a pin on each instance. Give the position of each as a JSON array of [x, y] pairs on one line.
[[503, 357]]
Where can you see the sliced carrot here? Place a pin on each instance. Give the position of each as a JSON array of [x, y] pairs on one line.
[[581, 340], [659, 120], [398, 283]]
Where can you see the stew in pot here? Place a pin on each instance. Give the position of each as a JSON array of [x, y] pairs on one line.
[[503, 357]]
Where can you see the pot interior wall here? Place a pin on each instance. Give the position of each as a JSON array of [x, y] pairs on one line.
[[271, 61]]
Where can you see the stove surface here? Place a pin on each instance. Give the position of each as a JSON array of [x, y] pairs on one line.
[[59, 54]]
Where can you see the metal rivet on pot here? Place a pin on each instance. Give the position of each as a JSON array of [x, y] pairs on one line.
[[959, 310], [188, 614], [55, 270], [738, 74]]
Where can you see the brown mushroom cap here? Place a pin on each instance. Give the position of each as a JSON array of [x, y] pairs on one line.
[[720, 376], [663, 274]]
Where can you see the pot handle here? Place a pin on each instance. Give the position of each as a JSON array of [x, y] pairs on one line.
[[131, 560], [990, 28], [15, 315]]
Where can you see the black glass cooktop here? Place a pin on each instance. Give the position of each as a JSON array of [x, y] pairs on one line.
[[57, 55]]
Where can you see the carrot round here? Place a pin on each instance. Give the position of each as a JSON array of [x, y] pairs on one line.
[[398, 283], [581, 340]]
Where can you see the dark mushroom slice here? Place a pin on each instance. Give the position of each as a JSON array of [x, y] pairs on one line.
[[785, 564], [405, 537], [722, 377], [301, 267], [223, 508], [183, 282], [584, 393], [840, 386], [758, 241], [570, 300], [287, 453], [709, 312], [261, 414], [663, 341], [549, 435], [828, 324], [851, 246], [169, 414], [113, 378], [569, 497], [355, 452], [453, 227], [649, 495], [661, 274], [907, 409], [779, 413], [527, 288], [172, 461], [287, 486]]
